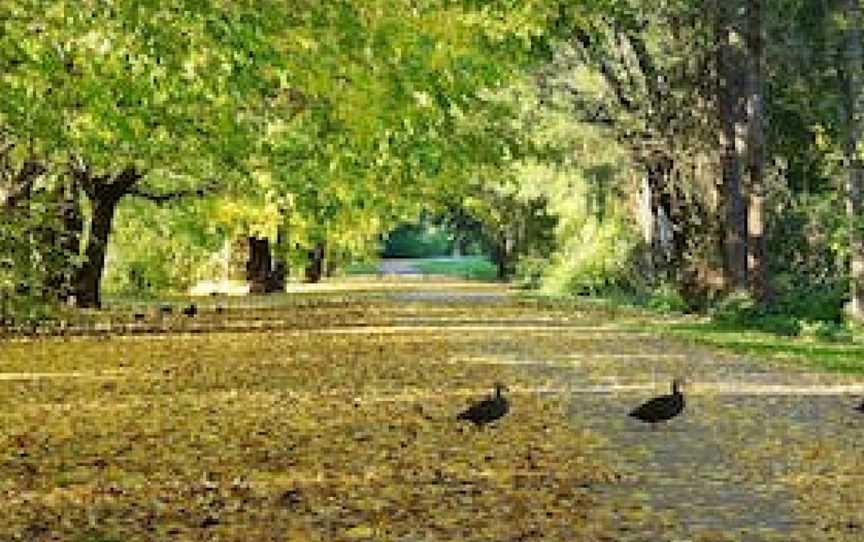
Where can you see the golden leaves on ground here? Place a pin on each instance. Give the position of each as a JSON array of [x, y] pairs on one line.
[[295, 435]]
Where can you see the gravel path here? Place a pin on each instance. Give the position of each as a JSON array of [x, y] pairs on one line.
[[707, 471], [398, 267]]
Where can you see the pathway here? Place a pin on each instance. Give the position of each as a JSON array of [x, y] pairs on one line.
[[716, 471]]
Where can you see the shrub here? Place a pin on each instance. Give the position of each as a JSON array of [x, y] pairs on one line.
[[667, 298], [827, 331], [599, 258], [529, 272]]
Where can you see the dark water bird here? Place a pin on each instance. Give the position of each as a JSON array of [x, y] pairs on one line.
[[660, 409], [191, 310], [488, 410]]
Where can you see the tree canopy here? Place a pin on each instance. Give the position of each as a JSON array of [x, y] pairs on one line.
[[604, 144]]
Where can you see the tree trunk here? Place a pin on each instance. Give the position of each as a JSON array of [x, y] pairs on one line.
[[854, 112], [89, 277], [104, 196], [259, 266], [504, 257], [757, 272], [315, 267], [734, 208]]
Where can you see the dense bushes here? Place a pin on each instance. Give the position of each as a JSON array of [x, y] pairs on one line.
[[35, 266], [596, 258]]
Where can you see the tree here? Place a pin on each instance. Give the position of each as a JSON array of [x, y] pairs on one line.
[[756, 244], [152, 100], [854, 119], [729, 89]]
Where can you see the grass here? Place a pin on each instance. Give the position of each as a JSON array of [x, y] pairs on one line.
[[823, 354], [469, 267], [842, 353], [361, 268]]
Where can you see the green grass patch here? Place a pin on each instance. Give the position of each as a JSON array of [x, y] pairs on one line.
[[824, 353], [774, 338], [474, 268], [361, 268]]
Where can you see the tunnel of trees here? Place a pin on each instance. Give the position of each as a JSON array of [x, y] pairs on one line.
[[708, 148]]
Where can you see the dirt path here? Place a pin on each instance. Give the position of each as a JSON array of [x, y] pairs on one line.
[[398, 267], [762, 452], [717, 471]]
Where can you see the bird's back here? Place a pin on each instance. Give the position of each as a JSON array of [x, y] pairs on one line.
[[659, 408], [486, 411]]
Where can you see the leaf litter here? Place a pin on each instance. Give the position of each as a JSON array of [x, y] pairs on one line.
[[335, 420]]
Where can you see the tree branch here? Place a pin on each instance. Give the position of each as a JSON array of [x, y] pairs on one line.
[[612, 80], [161, 198], [22, 182]]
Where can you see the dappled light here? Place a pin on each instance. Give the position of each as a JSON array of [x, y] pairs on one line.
[[399, 270], [340, 423]]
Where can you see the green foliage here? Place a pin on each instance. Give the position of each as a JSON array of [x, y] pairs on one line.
[[739, 310], [32, 257], [827, 331], [159, 250], [735, 309], [262, 101], [814, 303], [807, 248], [597, 258], [666, 298], [475, 268], [418, 241], [529, 272], [361, 268]]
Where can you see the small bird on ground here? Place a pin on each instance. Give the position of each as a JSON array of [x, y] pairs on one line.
[[660, 409], [487, 410], [191, 310]]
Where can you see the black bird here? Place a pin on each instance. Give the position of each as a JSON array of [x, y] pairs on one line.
[[860, 408], [660, 409], [191, 310], [488, 410]]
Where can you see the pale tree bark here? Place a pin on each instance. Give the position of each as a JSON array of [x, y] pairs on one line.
[[854, 115], [757, 269], [733, 204]]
